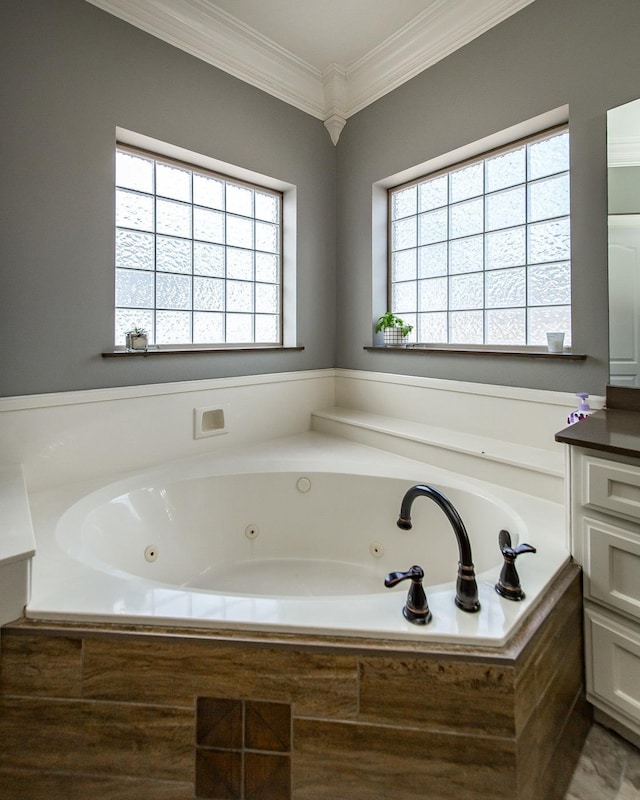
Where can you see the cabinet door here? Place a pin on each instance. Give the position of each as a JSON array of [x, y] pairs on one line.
[[613, 565], [613, 672], [612, 487]]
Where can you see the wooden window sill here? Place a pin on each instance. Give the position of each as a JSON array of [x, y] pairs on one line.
[[528, 352], [196, 351]]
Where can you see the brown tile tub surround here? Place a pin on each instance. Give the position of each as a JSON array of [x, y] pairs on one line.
[[110, 711], [243, 749]]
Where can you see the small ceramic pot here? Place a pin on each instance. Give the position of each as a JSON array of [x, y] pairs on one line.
[[137, 341], [393, 337]]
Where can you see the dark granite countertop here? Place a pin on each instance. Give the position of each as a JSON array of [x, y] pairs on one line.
[[611, 430]]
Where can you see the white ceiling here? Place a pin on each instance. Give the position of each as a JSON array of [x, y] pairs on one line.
[[326, 32], [329, 58]]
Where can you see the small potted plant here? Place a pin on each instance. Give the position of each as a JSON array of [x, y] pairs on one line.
[[395, 330], [137, 339]]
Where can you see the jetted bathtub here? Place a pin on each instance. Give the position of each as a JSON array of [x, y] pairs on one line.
[[292, 535]]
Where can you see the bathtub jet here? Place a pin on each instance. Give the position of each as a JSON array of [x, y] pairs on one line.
[[466, 586]]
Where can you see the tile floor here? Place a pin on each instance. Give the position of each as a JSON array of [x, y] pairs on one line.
[[609, 768]]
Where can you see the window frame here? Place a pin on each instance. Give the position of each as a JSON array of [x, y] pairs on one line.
[[162, 153], [445, 165]]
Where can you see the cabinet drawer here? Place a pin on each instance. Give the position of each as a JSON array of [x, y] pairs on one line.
[[613, 572], [612, 487], [613, 674]]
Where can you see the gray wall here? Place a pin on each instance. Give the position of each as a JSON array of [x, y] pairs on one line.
[[583, 53], [70, 74]]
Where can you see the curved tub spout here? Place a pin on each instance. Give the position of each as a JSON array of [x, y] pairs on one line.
[[466, 586]]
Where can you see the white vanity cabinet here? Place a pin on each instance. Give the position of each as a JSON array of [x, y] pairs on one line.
[[605, 500]]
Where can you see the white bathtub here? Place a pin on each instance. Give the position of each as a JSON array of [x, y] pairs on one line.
[[293, 535]]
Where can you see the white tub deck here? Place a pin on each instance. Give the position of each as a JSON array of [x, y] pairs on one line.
[[65, 588]]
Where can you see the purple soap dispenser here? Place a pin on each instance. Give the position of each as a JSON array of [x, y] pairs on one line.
[[583, 410]]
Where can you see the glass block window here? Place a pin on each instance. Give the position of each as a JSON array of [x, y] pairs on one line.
[[480, 253], [198, 255]]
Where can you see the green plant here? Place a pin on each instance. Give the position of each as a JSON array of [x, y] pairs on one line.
[[389, 320], [136, 332]]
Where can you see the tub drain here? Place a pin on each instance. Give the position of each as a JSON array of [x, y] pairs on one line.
[[151, 552]]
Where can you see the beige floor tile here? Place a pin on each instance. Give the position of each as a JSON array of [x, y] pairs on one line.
[[609, 769], [628, 792]]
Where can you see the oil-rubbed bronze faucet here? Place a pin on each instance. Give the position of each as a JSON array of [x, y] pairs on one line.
[[466, 586], [416, 609], [508, 584]]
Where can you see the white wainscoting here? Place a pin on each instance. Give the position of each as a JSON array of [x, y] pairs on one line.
[[68, 437], [497, 433]]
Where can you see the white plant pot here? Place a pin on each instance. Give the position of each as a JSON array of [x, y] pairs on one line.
[[393, 337], [137, 341]]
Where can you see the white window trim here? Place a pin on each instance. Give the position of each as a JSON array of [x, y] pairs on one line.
[[289, 216], [379, 200]]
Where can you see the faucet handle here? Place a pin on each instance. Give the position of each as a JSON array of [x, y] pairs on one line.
[[508, 584], [416, 608], [504, 542], [394, 578]]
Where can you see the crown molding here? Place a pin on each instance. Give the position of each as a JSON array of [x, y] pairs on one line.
[[334, 124], [210, 34], [207, 32], [434, 34]]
